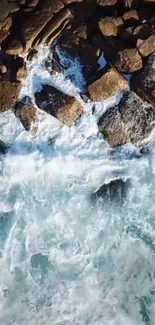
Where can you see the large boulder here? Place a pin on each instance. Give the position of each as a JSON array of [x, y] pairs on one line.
[[132, 120], [128, 61], [65, 108], [109, 84], [143, 83], [26, 112], [9, 92], [114, 191]]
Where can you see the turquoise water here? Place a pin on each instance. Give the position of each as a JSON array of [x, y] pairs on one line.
[[64, 258]]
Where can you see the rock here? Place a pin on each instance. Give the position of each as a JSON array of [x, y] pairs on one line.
[[108, 85], [107, 2], [142, 31], [110, 26], [144, 82], [128, 61], [7, 7], [22, 73], [9, 92], [131, 18], [31, 54], [132, 120], [111, 47], [130, 3], [26, 112], [55, 26], [84, 51], [114, 191], [14, 47], [3, 147], [3, 69], [33, 26], [147, 46], [65, 108]]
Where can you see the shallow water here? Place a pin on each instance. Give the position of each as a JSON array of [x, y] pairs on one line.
[[64, 258]]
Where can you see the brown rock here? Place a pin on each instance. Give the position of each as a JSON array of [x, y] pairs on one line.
[[110, 26], [143, 83], [7, 7], [38, 19], [147, 46], [22, 73], [26, 112], [3, 68], [8, 94], [55, 24], [65, 108], [132, 120], [14, 47], [128, 61], [107, 2], [131, 18], [108, 85], [81, 31], [67, 2]]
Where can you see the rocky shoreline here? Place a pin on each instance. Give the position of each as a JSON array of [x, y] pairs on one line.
[[123, 31]]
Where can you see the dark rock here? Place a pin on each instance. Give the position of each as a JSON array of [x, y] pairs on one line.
[[128, 61], [142, 31], [65, 108], [114, 191], [143, 83], [31, 54], [26, 112], [3, 147], [132, 120], [109, 84]]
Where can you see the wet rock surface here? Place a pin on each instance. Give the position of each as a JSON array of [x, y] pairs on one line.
[[132, 120], [52, 101]]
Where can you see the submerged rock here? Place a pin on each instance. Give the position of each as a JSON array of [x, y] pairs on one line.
[[114, 191], [132, 120], [3, 147], [65, 108]]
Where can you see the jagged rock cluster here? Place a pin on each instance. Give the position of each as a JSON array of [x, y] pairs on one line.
[[123, 30]]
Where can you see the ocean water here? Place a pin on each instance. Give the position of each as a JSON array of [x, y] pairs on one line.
[[65, 259]]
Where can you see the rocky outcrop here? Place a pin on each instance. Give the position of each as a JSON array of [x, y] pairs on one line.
[[65, 108], [109, 84], [132, 120]]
